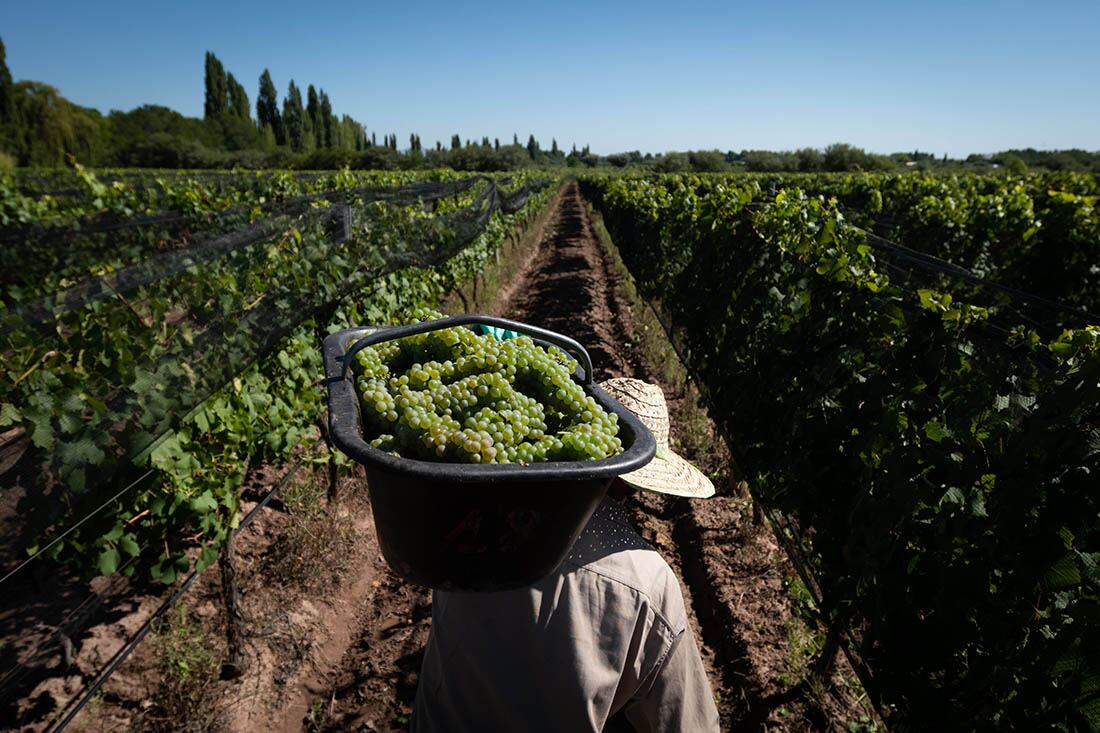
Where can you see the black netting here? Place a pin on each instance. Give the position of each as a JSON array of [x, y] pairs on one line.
[[915, 269], [195, 340], [43, 256]]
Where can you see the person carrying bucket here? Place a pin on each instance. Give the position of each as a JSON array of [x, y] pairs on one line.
[[601, 644]]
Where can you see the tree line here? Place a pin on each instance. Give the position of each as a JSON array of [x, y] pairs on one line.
[[842, 157], [299, 126], [39, 127]]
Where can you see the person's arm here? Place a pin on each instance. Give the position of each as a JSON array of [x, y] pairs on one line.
[[677, 695]]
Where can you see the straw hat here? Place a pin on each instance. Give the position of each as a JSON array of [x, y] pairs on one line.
[[667, 473]]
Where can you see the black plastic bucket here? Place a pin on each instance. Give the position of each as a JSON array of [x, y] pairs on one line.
[[472, 527]]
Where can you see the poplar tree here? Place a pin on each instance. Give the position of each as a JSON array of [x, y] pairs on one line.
[[217, 91], [350, 133], [294, 116], [309, 135], [328, 124], [238, 98], [344, 132], [267, 108], [456, 142], [553, 146], [7, 93], [313, 108], [267, 136], [532, 147], [496, 144]]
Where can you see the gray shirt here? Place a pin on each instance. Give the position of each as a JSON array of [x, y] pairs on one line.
[[601, 642]]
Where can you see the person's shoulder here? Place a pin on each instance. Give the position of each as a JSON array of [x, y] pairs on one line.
[[622, 562]]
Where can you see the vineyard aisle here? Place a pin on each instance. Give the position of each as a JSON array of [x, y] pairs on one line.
[[754, 646]]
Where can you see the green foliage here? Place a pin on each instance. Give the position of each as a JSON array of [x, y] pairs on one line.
[[1014, 164], [216, 99], [48, 127], [267, 108], [7, 95], [327, 129], [863, 725], [672, 163], [1051, 160], [940, 452], [238, 99], [835, 157], [127, 128], [1036, 234], [317, 720], [313, 109], [844, 157], [187, 667], [131, 382], [707, 161], [294, 115], [40, 128]]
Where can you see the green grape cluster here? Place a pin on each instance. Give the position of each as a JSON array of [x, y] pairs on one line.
[[454, 396]]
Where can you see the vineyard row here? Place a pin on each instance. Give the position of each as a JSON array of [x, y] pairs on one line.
[[936, 440]]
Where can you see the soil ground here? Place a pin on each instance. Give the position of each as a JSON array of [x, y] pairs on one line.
[[335, 640]]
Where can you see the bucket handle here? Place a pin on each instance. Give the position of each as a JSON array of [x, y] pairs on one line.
[[388, 334]]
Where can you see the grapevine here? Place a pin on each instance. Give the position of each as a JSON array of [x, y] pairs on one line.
[[934, 436], [199, 372]]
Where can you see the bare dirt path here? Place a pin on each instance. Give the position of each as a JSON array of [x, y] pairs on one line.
[[571, 289], [574, 288], [568, 289]]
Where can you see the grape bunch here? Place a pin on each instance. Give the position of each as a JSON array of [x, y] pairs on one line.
[[454, 396]]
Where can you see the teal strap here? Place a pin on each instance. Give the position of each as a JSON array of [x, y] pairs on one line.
[[500, 334]]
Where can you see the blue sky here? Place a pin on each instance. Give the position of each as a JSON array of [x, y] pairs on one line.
[[945, 77]]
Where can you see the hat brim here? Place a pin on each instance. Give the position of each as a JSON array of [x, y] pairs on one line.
[[671, 474]]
